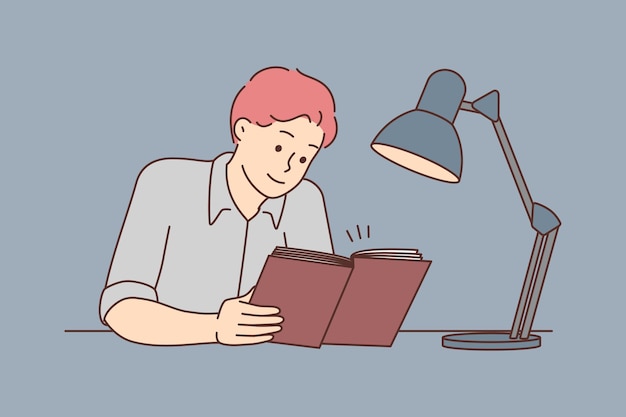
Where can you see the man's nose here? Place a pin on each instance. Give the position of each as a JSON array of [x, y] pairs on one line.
[[289, 162]]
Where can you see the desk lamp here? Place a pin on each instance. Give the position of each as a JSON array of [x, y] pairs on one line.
[[424, 140]]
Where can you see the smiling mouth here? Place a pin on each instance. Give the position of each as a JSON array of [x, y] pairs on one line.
[[273, 179]]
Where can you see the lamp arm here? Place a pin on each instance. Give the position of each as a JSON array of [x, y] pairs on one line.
[[511, 160]]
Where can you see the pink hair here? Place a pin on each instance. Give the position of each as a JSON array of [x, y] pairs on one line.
[[281, 94]]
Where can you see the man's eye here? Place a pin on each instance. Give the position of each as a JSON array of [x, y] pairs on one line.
[[303, 160], [278, 148]]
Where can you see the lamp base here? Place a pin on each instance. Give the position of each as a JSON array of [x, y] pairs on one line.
[[489, 341]]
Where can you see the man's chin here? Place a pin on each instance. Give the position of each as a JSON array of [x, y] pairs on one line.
[[276, 191], [271, 189]]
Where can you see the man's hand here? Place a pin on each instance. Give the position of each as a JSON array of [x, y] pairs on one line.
[[242, 323]]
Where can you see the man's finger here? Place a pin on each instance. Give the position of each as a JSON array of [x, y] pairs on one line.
[[252, 310], [243, 330], [249, 320]]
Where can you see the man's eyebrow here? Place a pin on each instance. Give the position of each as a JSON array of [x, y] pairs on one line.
[[290, 134]]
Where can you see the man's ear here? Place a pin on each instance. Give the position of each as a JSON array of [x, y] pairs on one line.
[[242, 128]]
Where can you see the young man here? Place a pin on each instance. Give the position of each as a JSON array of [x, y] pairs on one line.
[[197, 233]]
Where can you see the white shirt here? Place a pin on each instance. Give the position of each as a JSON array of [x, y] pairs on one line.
[[183, 242]]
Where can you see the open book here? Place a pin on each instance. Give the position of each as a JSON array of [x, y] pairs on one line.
[[331, 299]]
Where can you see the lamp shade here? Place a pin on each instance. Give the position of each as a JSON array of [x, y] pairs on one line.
[[424, 140]]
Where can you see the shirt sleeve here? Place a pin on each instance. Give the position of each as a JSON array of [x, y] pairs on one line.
[[140, 248], [307, 225]]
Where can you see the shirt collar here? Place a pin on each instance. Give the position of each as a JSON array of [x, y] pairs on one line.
[[220, 199]]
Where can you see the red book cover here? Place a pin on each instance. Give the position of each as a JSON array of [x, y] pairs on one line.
[[375, 301]]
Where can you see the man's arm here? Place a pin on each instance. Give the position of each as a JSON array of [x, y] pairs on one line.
[[151, 323], [237, 323], [142, 242]]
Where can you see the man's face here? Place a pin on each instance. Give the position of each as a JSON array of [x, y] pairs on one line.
[[275, 158]]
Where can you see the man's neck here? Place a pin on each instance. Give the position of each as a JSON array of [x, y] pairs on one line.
[[246, 198]]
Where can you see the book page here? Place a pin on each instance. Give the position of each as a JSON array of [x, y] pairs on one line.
[[405, 254]]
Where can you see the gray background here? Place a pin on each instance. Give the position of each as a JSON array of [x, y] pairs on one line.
[[92, 91]]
